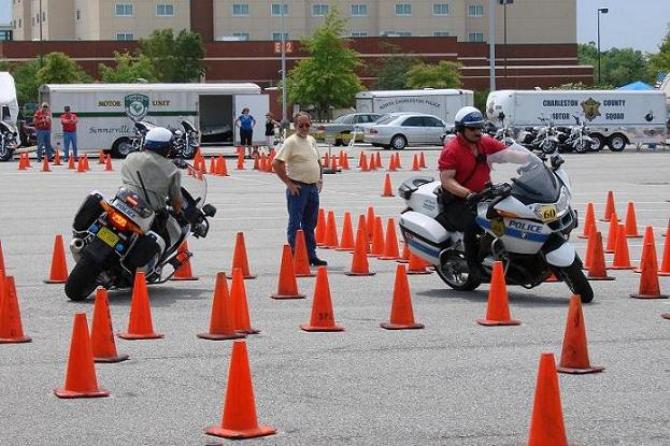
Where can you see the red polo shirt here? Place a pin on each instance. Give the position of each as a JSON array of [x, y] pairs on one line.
[[457, 155], [69, 122]]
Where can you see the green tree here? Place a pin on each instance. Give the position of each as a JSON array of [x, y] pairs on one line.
[[619, 66], [25, 79], [391, 71], [175, 59], [442, 75], [327, 78], [660, 62], [58, 68], [127, 69]]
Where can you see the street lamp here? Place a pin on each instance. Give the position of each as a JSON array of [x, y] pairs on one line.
[[504, 3], [603, 11], [283, 7]]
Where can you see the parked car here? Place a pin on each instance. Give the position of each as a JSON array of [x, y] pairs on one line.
[[342, 126], [398, 130]]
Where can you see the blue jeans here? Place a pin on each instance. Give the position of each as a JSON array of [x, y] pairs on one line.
[[69, 139], [44, 143], [303, 210]]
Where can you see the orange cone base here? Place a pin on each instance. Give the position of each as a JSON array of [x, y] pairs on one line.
[[634, 236], [221, 337], [601, 278], [259, 431], [249, 277], [392, 326], [55, 281], [249, 331], [117, 358], [370, 273], [402, 261], [630, 267], [649, 296], [177, 279], [62, 393], [608, 219], [15, 340], [585, 371], [344, 249], [308, 327], [583, 236], [382, 257], [665, 315], [135, 337], [490, 323], [305, 275], [416, 273], [287, 296]]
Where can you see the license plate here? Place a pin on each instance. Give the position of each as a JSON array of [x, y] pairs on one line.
[[108, 236], [548, 212]]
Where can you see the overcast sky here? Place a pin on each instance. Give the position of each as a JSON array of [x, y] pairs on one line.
[[640, 24]]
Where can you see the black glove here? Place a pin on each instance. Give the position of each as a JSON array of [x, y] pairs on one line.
[[472, 199]]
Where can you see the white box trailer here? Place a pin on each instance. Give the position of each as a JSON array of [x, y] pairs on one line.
[[443, 103], [105, 110], [9, 112], [615, 117]]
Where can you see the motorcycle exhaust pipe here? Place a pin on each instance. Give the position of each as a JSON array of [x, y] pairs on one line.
[[76, 246]]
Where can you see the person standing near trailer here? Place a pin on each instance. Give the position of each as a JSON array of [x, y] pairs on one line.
[[246, 124], [42, 121], [69, 121]]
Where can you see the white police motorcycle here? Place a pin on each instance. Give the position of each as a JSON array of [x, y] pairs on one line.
[[525, 223]]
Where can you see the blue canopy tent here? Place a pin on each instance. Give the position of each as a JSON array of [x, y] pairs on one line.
[[637, 86]]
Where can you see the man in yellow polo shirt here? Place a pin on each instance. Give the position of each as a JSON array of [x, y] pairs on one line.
[[298, 165]]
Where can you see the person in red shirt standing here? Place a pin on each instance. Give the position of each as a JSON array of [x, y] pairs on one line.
[[69, 122], [42, 122], [464, 171]]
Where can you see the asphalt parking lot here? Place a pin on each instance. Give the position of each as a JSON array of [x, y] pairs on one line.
[[452, 383]]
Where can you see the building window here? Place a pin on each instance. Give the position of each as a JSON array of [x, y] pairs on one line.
[[277, 37], [241, 9], [475, 37], [78, 14], [278, 9], [319, 10], [241, 36], [124, 36], [396, 34], [359, 34], [124, 9], [164, 10], [476, 10], [441, 34], [403, 9], [359, 10], [440, 9]]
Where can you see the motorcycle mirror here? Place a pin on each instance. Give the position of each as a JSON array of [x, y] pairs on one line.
[[209, 210]]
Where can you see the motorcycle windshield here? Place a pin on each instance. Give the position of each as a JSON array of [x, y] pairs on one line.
[[193, 187], [535, 183]]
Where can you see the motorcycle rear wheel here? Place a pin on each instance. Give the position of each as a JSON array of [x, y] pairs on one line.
[[454, 272], [82, 280], [574, 278]]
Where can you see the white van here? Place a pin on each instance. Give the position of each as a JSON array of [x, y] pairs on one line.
[[443, 103], [9, 112], [615, 117], [107, 112]]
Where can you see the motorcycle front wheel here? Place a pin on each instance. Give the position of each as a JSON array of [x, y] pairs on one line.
[[82, 280], [454, 272], [574, 278]]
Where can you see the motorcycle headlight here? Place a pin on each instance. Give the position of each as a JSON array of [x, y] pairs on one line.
[[563, 202]]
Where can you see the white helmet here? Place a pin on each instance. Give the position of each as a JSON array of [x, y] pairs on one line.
[[468, 117], [158, 139]]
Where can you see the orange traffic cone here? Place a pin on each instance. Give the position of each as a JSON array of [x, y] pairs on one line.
[[402, 314], [647, 250], [238, 295], [333, 163], [665, 263], [497, 308], [388, 191], [212, 165], [86, 165], [359, 262], [102, 333], [404, 257], [240, 161], [611, 234], [610, 209], [422, 160], [45, 164], [363, 162], [184, 272], [108, 164], [101, 157], [326, 159], [417, 265], [331, 232], [221, 322], [322, 318], [28, 161], [415, 163], [347, 239], [377, 248], [621, 258], [287, 287], [398, 163], [81, 166], [70, 163], [57, 158], [631, 222], [320, 231], [597, 269], [588, 255], [22, 161], [392, 167], [58, 273], [238, 419], [80, 378], [589, 221], [378, 161], [11, 328], [240, 257], [546, 423], [257, 165], [370, 222], [140, 325], [574, 354], [363, 226], [391, 251], [649, 286], [223, 168], [301, 259]]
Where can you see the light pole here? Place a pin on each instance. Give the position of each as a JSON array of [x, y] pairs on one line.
[[505, 3], [492, 45], [603, 11], [283, 7], [41, 48]]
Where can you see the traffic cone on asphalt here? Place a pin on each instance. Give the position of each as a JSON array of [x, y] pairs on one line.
[[611, 234], [326, 159], [331, 232], [257, 165], [631, 222], [140, 325], [402, 314], [101, 157], [240, 257], [70, 163], [240, 161], [81, 167], [102, 333], [588, 253], [301, 259], [497, 308], [665, 263], [398, 163], [391, 251], [45, 164], [221, 321], [80, 378], [647, 240], [322, 318], [320, 231], [363, 163], [404, 257], [597, 269], [610, 209], [86, 165], [415, 163], [333, 163], [11, 328], [388, 190], [22, 162], [589, 221], [377, 248], [391, 167], [58, 272], [108, 164], [574, 353], [184, 272], [360, 158], [363, 226], [359, 261], [287, 287], [238, 419], [378, 161], [238, 294], [422, 160], [546, 422], [347, 238], [649, 286], [28, 160], [345, 161], [370, 222], [417, 265], [621, 258], [57, 158]]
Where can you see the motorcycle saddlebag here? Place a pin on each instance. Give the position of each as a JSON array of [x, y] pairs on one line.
[[89, 210], [142, 252], [424, 235]]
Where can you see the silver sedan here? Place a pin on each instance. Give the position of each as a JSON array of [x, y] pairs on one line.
[[400, 130]]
